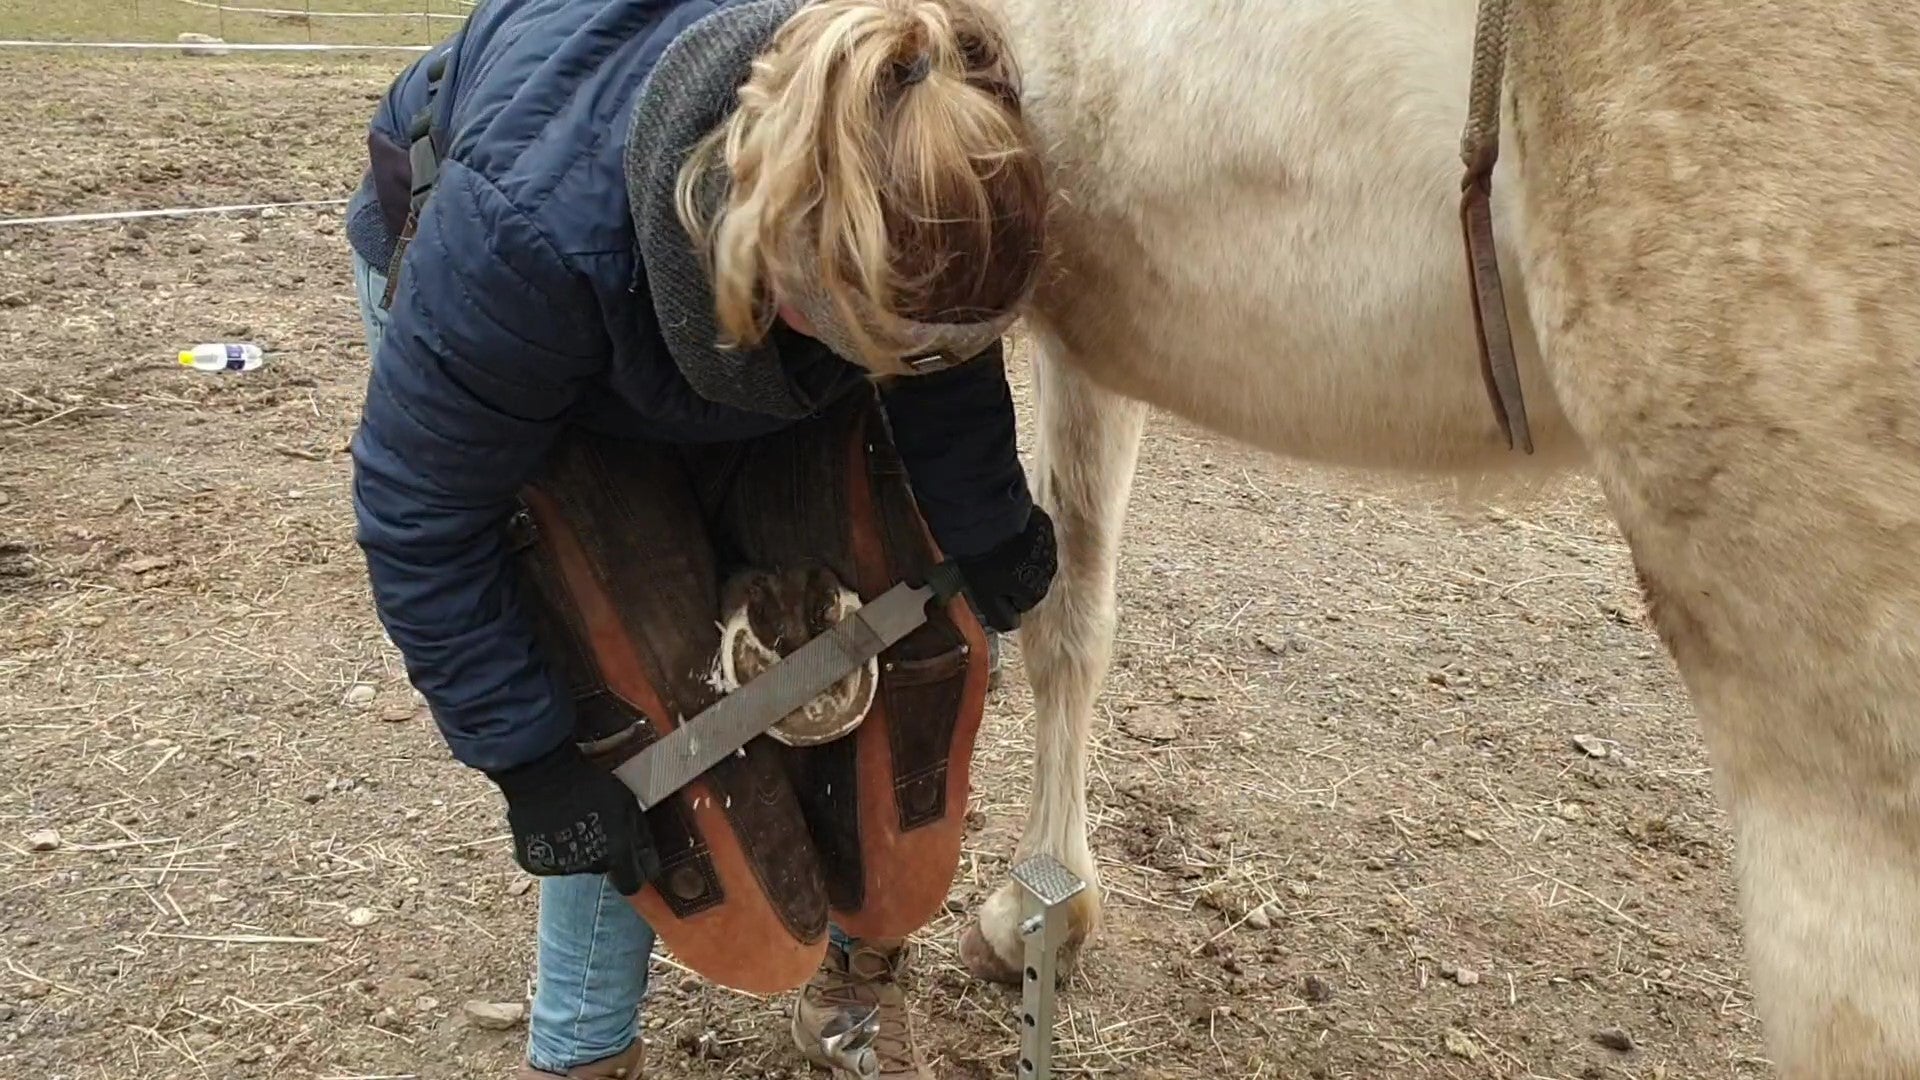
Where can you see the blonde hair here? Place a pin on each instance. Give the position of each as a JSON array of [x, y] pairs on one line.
[[878, 160]]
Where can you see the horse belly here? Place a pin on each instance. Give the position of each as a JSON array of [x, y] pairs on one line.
[[1345, 354]]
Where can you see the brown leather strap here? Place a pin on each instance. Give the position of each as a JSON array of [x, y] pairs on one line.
[[1479, 150]]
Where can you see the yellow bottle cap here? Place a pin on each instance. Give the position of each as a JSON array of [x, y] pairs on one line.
[[186, 359]]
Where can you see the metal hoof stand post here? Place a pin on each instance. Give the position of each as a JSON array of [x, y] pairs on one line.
[[1047, 886]]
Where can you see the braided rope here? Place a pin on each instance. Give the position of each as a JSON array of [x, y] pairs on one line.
[[1480, 143]]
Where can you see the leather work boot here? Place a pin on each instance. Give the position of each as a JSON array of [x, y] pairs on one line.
[[624, 1065], [851, 984]]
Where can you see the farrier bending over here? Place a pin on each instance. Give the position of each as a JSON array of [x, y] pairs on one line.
[[814, 193]]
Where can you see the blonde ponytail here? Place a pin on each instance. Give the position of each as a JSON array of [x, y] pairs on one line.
[[877, 160]]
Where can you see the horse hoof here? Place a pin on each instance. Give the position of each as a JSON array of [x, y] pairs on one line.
[[977, 953]]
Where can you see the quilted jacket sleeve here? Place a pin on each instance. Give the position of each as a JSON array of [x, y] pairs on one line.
[[492, 338], [955, 433]]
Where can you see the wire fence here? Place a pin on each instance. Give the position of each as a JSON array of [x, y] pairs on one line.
[[148, 15], [309, 13], [256, 26], [229, 46]]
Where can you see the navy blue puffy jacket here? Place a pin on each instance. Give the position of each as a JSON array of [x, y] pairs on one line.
[[522, 309]]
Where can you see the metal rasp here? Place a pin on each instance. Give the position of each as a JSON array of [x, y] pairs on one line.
[[729, 724]]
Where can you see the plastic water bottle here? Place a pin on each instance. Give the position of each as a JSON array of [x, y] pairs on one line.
[[236, 356]]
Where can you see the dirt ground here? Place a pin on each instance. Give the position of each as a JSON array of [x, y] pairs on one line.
[[1346, 715]]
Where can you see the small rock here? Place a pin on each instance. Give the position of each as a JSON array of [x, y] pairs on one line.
[[1461, 1045], [249, 1055], [704, 1046], [44, 840], [519, 886], [399, 988], [6, 1011], [194, 44], [360, 695], [147, 564], [1592, 747], [1298, 888], [1152, 725], [1614, 1039], [1375, 862], [361, 916], [400, 714], [1466, 977], [1316, 989], [494, 1015], [1572, 811], [1259, 919]]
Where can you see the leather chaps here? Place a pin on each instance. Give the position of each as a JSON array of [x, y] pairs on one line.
[[636, 558]]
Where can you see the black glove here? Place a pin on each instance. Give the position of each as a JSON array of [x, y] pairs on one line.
[[570, 817], [1008, 581]]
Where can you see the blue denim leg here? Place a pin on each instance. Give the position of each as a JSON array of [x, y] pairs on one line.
[[592, 973], [368, 286]]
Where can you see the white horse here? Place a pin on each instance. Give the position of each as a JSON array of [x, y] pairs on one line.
[[1709, 222]]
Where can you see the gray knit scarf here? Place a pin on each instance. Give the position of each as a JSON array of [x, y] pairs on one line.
[[689, 92]]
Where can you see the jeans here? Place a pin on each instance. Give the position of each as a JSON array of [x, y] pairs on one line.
[[592, 946]]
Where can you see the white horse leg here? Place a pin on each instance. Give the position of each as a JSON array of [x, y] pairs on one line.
[[1089, 441], [1796, 626]]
